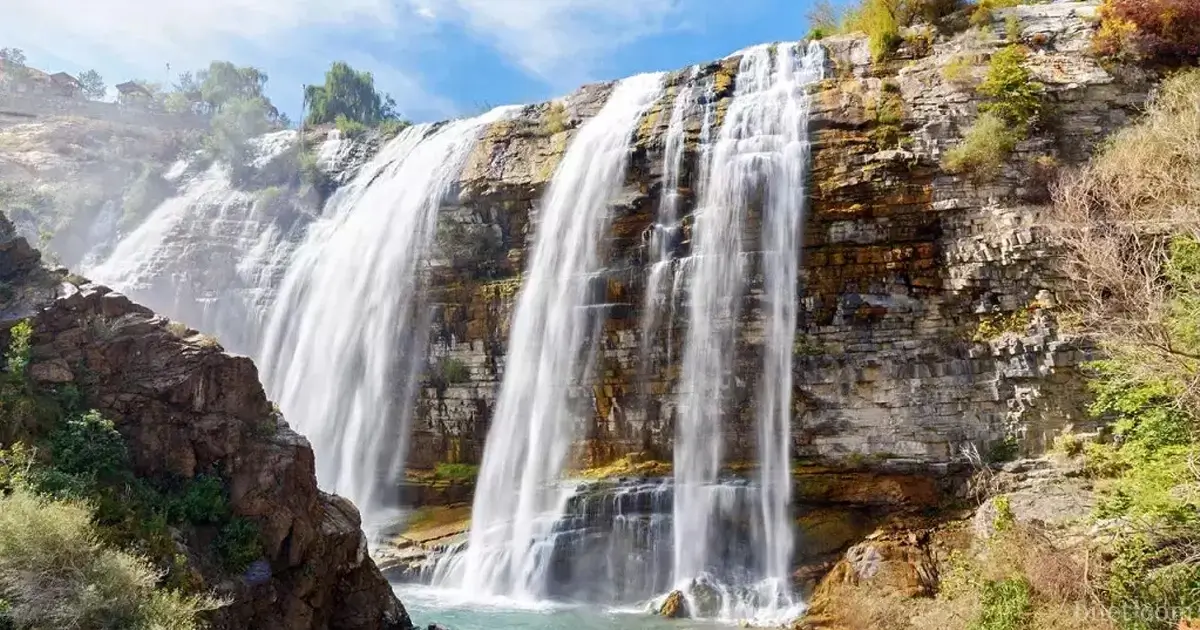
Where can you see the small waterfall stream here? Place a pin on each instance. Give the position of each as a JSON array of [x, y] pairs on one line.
[[516, 499]]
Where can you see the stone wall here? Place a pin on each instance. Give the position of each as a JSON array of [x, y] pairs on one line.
[[928, 317]]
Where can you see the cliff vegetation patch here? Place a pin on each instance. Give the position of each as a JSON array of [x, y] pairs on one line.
[[63, 462]]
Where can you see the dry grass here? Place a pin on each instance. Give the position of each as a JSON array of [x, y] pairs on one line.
[[54, 573], [631, 465], [1117, 218], [1060, 591]]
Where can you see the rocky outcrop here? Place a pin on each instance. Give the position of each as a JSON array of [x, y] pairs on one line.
[[185, 407]]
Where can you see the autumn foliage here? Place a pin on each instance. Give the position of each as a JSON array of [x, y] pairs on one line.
[[1150, 30]]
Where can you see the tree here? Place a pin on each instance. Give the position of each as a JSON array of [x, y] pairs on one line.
[[14, 56], [224, 82], [14, 66], [93, 85], [347, 93]]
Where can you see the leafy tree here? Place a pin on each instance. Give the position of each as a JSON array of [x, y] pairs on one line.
[[93, 85], [223, 83], [14, 65], [239, 120], [349, 94], [14, 56]]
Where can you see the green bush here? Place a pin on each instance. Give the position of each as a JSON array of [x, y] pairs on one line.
[[349, 127], [89, 445], [456, 472], [203, 501], [17, 357], [1005, 605], [54, 572], [391, 128], [1012, 94], [238, 544], [982, 15], [983, 150], [555, 119], [879, 20], [453, 370]]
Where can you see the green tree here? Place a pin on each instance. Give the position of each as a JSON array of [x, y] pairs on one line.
[[349, 94], [15, 56], [93, 85], [223, 83], [14, 66]]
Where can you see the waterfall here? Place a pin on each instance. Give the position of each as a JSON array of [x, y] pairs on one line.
[[663, 234], [759, 161], [210, 256], [517, 499], [346, 336]]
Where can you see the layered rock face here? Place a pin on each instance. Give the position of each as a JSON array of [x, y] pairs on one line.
[[926, 322], [184, 407]]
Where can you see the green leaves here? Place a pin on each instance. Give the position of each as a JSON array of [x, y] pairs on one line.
[[1013, 96], [348, 95]]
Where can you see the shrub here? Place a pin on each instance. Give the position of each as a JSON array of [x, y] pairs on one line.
[[456, 472], [203, 501], [349, 127], [982, 15], [17, 357], [1012, 29], [879, 20], [1012, 94], [238, 544], [1006, 605], [1013, 106], [89, 445], [391, 128], [55, 573], [555, 119], [887, 110], [1155, 30], [983, 150]]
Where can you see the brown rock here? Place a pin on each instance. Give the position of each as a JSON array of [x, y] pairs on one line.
[[674, 606], [186, 407]]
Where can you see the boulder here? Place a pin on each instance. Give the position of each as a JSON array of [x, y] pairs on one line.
[[675, 606]]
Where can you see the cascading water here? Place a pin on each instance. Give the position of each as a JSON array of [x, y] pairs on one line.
[[663, 235], [345, 337], [517, 499], [759, 159], [178, 260]]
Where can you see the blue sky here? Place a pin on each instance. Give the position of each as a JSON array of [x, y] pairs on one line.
[[438, 58]]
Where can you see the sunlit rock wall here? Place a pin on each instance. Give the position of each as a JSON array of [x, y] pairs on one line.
[[928, 322]]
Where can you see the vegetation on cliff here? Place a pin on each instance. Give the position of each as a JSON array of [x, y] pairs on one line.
[[1130, 227], [348, 98], [119, 532]]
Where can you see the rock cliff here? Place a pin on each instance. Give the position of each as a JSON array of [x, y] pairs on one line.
[[184, 406], [927, 320]]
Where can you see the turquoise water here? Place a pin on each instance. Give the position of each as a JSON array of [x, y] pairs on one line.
[[452, 611]]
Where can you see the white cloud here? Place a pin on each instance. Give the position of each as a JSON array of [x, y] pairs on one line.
[[559, 41], [294, 40]]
